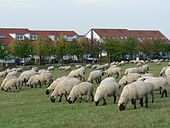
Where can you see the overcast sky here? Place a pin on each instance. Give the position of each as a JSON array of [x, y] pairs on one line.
[[82, 15]]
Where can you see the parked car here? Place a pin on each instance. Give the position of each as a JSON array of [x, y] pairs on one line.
[[92, 60]]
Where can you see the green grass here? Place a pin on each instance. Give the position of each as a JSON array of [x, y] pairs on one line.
[[31, 108]]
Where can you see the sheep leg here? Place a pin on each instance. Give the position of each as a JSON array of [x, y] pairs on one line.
[[75, 99], [80, 99], [92, 97], [141, 102], [117, 75], [60, 98], [114, 98], [163, 93], [96, 81], [65, 97], [146, 101], [166, 93], [134, 103], [104, 102]]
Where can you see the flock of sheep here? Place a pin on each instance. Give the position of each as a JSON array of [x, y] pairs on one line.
[[136, 82]]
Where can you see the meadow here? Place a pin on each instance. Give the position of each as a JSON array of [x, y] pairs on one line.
[[32, 108]]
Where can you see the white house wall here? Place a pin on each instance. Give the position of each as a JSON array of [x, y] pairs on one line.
[[95, 35]]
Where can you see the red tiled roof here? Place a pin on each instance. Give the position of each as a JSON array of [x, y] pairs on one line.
[[8, 38], [14, 30], [128, 33]]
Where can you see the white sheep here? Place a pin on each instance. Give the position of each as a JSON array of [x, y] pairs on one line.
[[95, 75], [54, 84], [5, 80], [106, 88], [67, 68], [135, 91], [43, 71], [84, 88], [40, 79], [165, 70], [13, 73], [88, 66], [13, 82], [24, 76], [160, 84], [132, 70], [113, 71], [35, 69], [78, 66], [127, 79], [80, 72], [64, 88], [51, 68]]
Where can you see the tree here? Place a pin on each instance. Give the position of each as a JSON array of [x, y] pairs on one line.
[[112, 47], [61, 47], [42, 47], [20, 49], [74, 48], [3, 51]]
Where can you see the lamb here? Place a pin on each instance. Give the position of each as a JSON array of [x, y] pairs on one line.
[[113, 71], [127, 79], [3, 74], [132, 70], [54, 84], [95, 75], [64, 88], [51, 68], [24, 76], [40, 79], [80, 72], [13, 82], [160, 84], [84, 88], [108, 87], [135, 91]]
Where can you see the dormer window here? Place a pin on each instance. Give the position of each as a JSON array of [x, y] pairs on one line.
[[20, 37], [33, 37]]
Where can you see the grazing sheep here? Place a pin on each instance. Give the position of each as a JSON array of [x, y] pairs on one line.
[[160, 84], [95, 75], [84, 88], [35, 69], [40, 79], [43, 71], [95, 66], [88, 66], [108, 87], [64, 88], [5, 80], [127, 79], [144, 69], [67, 68], [13, 82], [78, 66], [51, 68], [13, 73], [24, 76], [132, 70], [135, 91], [113, 71], [54, 84], [80, 72], [165, 70]]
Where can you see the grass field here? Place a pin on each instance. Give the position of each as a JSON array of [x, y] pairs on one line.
[[31, 108]]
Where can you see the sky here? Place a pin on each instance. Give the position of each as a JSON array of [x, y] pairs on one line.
[[82, 15]]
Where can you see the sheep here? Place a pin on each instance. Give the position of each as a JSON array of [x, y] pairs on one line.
[[113, 66], [63, 88], [78, 66], [160, 84], [5, 80], [95, 66], [80, 72], [84, 88], [88, 66], [147, 74], [100, 67], [35, 69], [95, 75], [40, 79], [139, 64], [51, 68], [135, 91], [127, 79], [113, 71], [165, 70], [24, 76], [54, 84], [67, 68], [43, 71], [143, 78], [13, 73], [132, 70], [108, 87], [3, 74], [13, 82], [19, 69]]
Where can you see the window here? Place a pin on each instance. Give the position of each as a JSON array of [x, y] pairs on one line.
[[125, 37], [33, 37], [69, 38], [56, 38], [121, 37], [2, 37], [20, 37], [139, 39]]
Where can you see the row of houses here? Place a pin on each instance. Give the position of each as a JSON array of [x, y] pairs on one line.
[[8, 34]]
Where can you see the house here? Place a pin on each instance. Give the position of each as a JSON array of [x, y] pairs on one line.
[[8, 34], [124, 34]]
